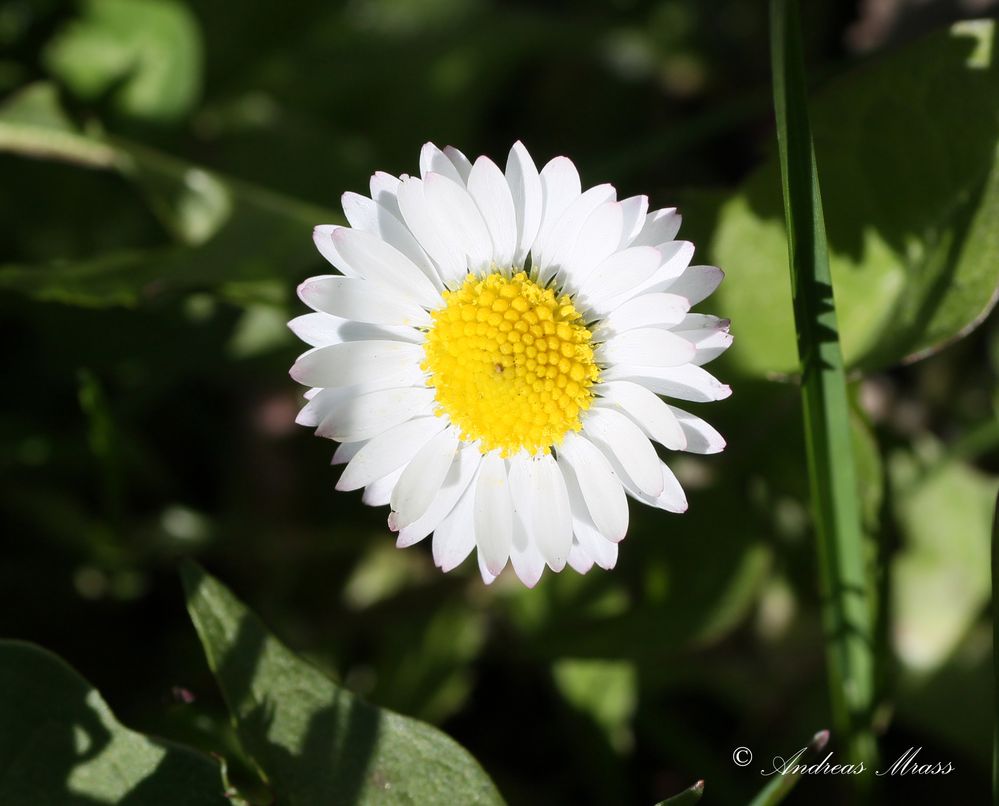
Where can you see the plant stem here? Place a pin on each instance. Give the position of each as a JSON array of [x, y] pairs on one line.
[[831, 470], [995, 658]]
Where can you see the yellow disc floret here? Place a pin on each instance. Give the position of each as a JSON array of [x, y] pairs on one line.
[[511, 363]]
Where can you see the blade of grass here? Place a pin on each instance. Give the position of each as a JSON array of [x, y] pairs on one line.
[[831, 470], [780, 786], [688, 797], [995, 658]]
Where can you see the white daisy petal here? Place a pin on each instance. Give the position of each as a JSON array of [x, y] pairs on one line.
[[388, 451], [628, 449], [598, 483], [493, 513], [660, 226], [422, 479], [598, 239], [487, 576], [649, 412], [362, 301], [701, 437], [592, 543], [454, 537], [600, 549], [461, 163], [525, 557], [459, 476], [320, 329], [328, 399], [322, 237], [451, 264], [365, 416], [686, 382], [645, 310], [697, 283], [346, 451], [709, 345], [384, 191], [379, 492], [374, 259], [646, 346], [456, 214], [676, 256], [355, 362], [433, 160], [579, 560], [672, 498], [560, 186], [635, 209], [617, 274], [489, 188], [538, 492], [370, 216], [560, 240], [525, 188]]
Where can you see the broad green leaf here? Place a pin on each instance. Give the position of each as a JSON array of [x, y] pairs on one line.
[[147, 52], [906, 149], [940, 579], [60, 744], [314, 741]]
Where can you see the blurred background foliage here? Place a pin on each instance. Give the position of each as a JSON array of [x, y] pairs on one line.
[[163, 164]]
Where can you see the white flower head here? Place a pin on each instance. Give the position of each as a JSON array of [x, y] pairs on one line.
[[492, 353]]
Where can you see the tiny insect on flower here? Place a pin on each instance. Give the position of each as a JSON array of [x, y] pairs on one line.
[[492, 353]]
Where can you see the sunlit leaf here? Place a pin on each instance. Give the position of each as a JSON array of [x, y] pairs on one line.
[[911, 196], [146, 52], [60, 744], [940, 579], [314, 741]]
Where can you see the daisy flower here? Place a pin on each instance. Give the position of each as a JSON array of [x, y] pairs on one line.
[[491, 356]]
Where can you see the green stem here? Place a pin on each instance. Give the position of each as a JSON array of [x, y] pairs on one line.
[[780, 785], [831, 470], [995, 658]]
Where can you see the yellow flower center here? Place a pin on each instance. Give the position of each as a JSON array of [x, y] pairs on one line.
[[511, 363]]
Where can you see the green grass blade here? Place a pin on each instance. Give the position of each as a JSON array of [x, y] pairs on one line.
[[780, 786], [831, 470], [688, 797], [995, 657]]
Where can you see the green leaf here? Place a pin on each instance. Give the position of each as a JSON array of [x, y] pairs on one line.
[[147, 52], [940, 578], [314, 741], [911, 190], [60, 744], [32, 123], [831, 467]]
